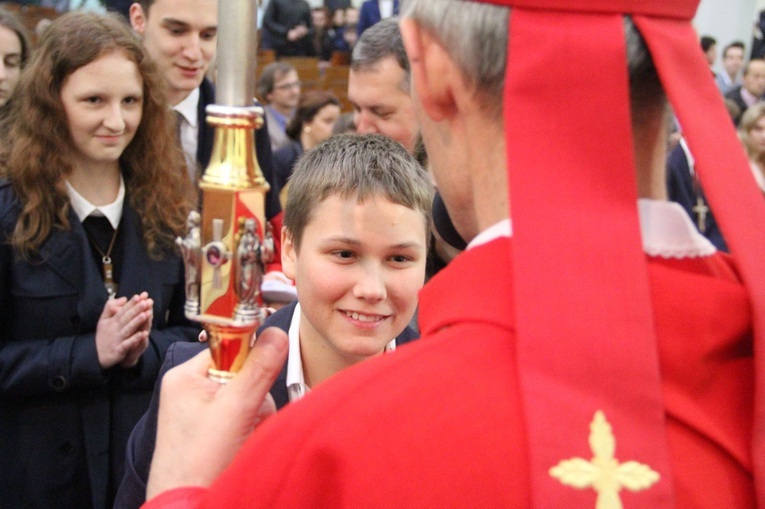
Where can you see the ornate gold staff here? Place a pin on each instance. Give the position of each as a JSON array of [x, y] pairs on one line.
[[226, 248]]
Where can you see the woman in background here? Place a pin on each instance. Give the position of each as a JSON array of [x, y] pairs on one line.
[[91, 288], [751, 130], [14, 54], [312, 123]]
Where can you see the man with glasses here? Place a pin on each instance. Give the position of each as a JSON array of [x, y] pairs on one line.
[[279, 87]]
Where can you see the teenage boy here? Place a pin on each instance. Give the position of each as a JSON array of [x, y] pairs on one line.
[[355, 242]]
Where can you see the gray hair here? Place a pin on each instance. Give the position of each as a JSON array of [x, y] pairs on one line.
[[476, 35], [380, 41], [363, 166]]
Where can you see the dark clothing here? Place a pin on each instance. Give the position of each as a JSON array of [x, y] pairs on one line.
[[284, 160], [370, 14], [140, 449], [65, 421], [683, 188], [735, 96], [334, 5], [280, 17]]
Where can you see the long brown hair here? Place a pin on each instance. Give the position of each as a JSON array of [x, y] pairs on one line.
[[37, 153]]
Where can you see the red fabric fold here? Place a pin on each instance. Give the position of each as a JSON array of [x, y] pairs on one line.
[[726, 178], [573, 195]]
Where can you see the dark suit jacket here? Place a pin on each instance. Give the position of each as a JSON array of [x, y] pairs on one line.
[[64, 421], [681, 189], [284, 160], [206, 137], [735, 96], [370, 15], [140, 449]]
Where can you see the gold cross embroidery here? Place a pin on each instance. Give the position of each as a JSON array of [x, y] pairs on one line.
[[604, 473]]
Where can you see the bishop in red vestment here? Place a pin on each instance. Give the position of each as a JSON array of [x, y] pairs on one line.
[[572, 363]]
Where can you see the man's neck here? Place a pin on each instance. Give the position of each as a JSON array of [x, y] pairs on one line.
[[174, 97]]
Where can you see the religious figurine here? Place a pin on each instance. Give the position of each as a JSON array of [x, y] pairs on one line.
[[249, 270], [268, 249], [191, 249]]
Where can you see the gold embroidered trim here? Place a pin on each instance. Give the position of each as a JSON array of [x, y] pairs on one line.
[[604, 473]]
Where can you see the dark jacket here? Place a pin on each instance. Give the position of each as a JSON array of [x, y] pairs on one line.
[[370, 14], [280, 17], [64, 421], [132, 492], [284, 160]]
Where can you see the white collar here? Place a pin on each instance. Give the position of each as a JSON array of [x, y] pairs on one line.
[[665, 228], [296, 387], [668, 232], [83, 208], [503, 228], [188, 108]]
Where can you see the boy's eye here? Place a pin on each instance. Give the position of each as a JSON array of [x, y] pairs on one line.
[[400, 258], [344, 254]]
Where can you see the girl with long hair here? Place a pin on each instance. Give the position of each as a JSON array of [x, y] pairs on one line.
[[91, 287]]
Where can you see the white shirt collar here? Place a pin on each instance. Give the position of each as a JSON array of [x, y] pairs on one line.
[[296, 387], [83, 208], [665, 228], [188, 108], [503, 228]]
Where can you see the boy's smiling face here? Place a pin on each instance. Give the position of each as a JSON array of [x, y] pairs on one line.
[[358, 269]]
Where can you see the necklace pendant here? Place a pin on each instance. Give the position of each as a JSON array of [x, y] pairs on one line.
[[109, 283]]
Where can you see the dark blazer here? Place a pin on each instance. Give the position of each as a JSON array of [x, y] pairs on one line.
[[206, 137], [370, 14], [140, 449], [280, 17], [284, 160], [735, 96], [64, 421], [682, 189]]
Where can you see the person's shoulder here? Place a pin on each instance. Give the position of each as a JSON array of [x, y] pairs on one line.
[[181, 351], [407, 336], [281, 319], [9, 202], [734, 93], [289, 152]]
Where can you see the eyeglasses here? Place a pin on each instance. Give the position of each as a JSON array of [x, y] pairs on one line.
[[287, 86]]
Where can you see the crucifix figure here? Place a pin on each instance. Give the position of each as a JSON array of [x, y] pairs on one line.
[[701, 211]]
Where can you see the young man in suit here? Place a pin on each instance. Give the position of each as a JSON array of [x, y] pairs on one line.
[[180, 36]]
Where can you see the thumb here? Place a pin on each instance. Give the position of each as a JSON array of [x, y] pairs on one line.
[[250, 386]]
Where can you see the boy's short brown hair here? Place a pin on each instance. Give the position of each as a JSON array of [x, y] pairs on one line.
[[362, 165]]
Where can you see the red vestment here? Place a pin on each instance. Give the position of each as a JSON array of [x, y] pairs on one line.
[[440, 423]]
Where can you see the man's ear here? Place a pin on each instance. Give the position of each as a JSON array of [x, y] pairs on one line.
[[432, 69], [137, 18], [289, 254]]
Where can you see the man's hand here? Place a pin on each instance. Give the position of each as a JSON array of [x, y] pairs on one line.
[[202, 424]]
